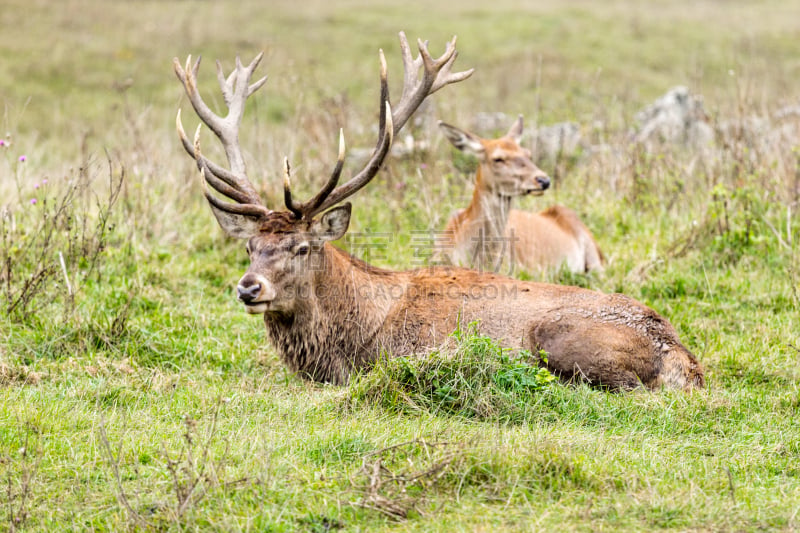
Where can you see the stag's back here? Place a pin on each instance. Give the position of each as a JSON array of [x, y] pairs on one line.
[[608, 340]]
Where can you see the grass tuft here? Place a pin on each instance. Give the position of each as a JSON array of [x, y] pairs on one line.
[[475, 379]]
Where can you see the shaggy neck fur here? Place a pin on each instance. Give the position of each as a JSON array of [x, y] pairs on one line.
[[334, 328]]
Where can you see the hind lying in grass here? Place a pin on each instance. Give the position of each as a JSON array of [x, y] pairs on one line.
[[329, 314], [477, 234]]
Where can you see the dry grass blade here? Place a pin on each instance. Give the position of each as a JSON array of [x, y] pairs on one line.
[[191, 476], [17, 515], [113, 461], [396, 490]]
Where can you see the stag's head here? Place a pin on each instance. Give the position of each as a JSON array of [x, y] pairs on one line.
[[505, 167], [287, 247], [285, 255]]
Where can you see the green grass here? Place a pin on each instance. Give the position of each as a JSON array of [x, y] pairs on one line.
[[149, 400]]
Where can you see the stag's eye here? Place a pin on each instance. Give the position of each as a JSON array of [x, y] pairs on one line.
[[498, 160], [250, 246], [302, 249]]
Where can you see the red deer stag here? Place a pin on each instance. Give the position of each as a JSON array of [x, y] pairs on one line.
[[329, 314], [488, 229]]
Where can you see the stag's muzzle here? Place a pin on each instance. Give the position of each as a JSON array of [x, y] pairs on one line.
[[256, 293]]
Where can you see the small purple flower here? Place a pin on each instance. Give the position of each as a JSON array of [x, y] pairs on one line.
[[423, 166], [35, 185], [44, 181], [2, 142], [22, 159], [34, 201]]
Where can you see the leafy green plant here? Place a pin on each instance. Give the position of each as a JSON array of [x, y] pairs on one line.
[[517, 376]]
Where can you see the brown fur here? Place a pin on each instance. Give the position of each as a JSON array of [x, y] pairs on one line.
[[278, 222], [551, 238]]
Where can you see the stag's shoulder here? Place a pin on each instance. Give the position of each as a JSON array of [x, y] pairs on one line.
[[454, 275]]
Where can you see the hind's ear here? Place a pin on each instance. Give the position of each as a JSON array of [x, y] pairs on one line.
[[333, 224], [515, 132], [463, 140]]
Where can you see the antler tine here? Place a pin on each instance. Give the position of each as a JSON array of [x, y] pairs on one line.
[[236, 88], [410, 66], [435, 75], [219, 178], [244, 205], [225, 84], [227, 207], [312, 206], [329, 196], [445, 77], [297, 210], [365, 175]]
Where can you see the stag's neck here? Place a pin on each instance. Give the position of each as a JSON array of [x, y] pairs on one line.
[[486, 218], [353, 284], [334, 328]]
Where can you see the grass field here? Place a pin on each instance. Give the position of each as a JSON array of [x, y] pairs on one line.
[[135, 393]]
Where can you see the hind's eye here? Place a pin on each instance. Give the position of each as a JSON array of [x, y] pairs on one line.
[[498, 160], [302, 249]]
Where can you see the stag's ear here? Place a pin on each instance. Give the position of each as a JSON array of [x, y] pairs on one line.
[[236, 225], [333, 224], [463, 140], [515, 132]]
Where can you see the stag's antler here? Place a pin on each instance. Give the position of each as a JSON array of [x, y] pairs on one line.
[[236, 88], [435, 75]]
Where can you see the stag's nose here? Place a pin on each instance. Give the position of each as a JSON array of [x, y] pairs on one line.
[[248, 293]]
